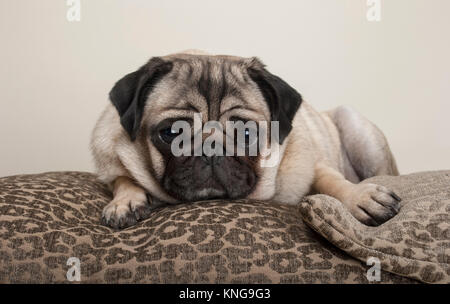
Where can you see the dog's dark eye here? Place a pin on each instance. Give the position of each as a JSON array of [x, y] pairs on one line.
[[247, 136], [250, 136], [167, 135]]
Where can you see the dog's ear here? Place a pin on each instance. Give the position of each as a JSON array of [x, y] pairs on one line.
[[130, 93], [283, 100]]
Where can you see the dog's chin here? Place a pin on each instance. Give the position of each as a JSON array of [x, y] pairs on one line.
[[202, 194], [208, 192]]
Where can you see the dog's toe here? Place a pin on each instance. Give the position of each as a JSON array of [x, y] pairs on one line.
[[142, 212], [374, 205], [120, 213]]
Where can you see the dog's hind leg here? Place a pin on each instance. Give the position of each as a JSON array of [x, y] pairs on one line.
[[368, 153], [365, 145]]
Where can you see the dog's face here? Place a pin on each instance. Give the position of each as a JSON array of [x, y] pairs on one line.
[[218, 88]]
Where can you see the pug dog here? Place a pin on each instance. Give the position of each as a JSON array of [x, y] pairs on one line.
[[328, 152]]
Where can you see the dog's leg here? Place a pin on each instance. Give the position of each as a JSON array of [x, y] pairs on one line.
[[365, 145], [128, 206], [369, 203]]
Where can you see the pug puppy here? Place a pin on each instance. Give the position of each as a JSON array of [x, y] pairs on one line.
[[329, 152]]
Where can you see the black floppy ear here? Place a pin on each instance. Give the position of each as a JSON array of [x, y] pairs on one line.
[[130, 93], [283, 100]]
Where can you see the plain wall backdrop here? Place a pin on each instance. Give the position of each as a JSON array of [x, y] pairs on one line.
[[56, 74]]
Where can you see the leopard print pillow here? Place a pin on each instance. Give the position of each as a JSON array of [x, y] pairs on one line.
[[47, 218], [415, 243]]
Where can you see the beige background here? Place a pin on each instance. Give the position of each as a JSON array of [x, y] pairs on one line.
[[56, 74]]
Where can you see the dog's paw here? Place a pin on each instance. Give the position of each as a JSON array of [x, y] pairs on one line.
[[373, 204], [126, 210]]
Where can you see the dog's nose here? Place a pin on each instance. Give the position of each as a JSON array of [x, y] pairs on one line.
[[207, 159], [211, 160]]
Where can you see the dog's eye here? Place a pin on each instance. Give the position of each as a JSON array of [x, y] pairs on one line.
[[250, 136], [167, 135], [247, 136]]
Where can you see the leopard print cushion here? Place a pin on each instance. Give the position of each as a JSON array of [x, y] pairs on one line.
[[47, 218], [415, 243]]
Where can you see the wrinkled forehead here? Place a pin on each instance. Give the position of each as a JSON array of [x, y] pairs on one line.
[[218, 87]]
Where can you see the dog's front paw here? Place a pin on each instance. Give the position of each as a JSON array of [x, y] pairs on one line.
[[373, 204], [126, 210]]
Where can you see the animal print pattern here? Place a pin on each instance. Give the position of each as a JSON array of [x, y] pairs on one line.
[[47, 218], [415, 243]]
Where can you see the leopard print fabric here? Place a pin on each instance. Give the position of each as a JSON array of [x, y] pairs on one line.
[[47, 218], [415, 243]]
